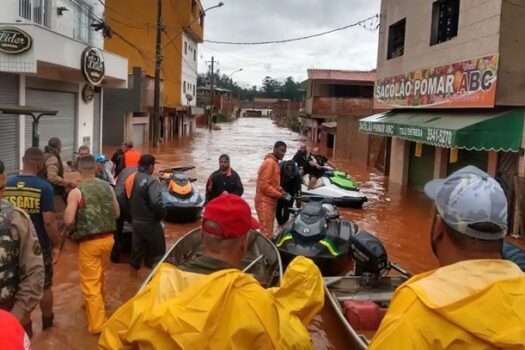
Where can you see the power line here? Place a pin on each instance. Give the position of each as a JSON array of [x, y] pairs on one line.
[[361, 22]]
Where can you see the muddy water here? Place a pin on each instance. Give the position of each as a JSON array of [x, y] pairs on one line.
[[400, 218]]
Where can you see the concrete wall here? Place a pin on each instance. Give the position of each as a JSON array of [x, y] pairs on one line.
[[189, 70], [399, 159], [511, 74], [351, 144], [478, 35]]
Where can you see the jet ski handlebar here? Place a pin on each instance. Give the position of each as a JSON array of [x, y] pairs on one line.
[[313, 198], [177, 169]]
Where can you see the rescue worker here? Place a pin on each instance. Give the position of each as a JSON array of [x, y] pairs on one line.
[[125, 215], [82, 151], [212, 304], [93, 208], [223, 180], [125, 157], [34, 195], [268, 189], [147, 211], [53, 172], [21, 263], [301, 158], [475, 300], [102, 172], [291, 183]]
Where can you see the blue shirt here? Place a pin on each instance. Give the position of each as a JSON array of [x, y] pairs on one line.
[[35, 196]]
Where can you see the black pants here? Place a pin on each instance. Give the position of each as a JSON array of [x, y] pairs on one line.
[[148, 244], [283, 213]]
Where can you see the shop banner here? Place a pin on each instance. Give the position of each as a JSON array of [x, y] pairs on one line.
[[467, 84]]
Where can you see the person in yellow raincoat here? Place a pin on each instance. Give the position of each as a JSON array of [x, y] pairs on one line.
[[225, 309], [475, 300], [268, 189]]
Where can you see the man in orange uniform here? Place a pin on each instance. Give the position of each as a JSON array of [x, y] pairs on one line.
[[268, 189]]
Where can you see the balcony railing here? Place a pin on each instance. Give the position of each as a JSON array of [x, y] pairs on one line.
[[330, 106]]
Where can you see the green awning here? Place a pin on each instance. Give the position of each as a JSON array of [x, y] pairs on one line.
[[481, 131]]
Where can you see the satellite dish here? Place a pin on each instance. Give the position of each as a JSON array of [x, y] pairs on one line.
[[189, 97]]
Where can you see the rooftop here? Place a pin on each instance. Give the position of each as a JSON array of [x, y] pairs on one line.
[[342, 75]]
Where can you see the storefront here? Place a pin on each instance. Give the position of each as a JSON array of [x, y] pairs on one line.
[[50, 71], [434, 143]]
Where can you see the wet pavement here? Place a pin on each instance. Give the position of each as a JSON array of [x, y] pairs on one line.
[[401, 218]]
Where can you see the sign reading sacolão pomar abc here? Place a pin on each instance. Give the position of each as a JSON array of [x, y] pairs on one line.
[[93, 67], [467, 84], [14, 40]]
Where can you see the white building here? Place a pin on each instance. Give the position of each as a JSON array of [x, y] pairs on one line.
[[189, 71], [50, 58]]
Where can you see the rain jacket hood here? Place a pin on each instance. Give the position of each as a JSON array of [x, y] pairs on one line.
[[225, 310], [475, 304]]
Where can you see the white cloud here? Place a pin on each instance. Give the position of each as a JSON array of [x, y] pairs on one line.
[[260, 20]]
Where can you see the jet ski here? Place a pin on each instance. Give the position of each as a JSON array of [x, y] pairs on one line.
[[182, 199], [337, 186], [317, 232]]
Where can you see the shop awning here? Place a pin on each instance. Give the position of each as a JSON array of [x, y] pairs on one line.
[[481, 131], [329, 125]]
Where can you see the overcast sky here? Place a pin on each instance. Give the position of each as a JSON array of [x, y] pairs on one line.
[[262, 20]]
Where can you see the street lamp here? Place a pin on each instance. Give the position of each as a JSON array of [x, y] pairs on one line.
[[238, 70]]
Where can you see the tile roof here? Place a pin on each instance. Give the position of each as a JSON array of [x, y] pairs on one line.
[[342, 75]]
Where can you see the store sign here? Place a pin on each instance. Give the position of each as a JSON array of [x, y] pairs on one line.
[[92, 65], [433, 136], [88, 92], [14, 41], [468, 84]]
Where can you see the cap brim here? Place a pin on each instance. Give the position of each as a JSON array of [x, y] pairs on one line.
[[255, 224], [432, 188]]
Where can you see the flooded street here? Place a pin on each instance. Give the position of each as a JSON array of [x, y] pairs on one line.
[[401, 219]]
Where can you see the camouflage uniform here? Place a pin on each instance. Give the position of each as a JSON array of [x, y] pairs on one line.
[[21, 263], [95, 224]]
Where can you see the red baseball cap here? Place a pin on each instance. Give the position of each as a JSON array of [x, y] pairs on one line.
[[229, 216]]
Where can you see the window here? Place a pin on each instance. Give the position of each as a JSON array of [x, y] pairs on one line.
[[195, 55], [81, 27], [396, 39], [193, 89], [201, 18], [185, 48], [36, 11], [445, 19], [184, 86]]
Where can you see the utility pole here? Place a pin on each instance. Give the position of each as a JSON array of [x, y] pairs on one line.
[[212, 78], [158, 55]]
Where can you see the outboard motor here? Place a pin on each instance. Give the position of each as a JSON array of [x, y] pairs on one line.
[[369, 254]]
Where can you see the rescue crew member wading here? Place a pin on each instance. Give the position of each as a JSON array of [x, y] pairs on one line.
[[147, 212], [34, 195], [53, 172], [125, 157], [225, 179], [93, 208], [21, 264]]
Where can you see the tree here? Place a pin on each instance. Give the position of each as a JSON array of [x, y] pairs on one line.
[[271, 87]]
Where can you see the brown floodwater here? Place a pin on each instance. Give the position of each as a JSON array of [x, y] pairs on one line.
[[400, 217]]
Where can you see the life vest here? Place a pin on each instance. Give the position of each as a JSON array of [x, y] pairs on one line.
[[131, 158], [9, 244], [96, 212]]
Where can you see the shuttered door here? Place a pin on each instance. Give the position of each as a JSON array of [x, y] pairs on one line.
[[421, 169], [9, 141], [62, 125], [479, 159], [96, 124]]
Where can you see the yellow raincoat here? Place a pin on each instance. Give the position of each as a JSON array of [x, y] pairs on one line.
[[225, 310], [475, 304]]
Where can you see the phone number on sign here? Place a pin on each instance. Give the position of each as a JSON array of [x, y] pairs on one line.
[[440, 136]]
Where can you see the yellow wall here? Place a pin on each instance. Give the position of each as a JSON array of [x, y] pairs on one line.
[[134, 21]]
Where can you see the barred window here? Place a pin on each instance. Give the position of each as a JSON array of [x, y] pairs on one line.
[[36, 11]]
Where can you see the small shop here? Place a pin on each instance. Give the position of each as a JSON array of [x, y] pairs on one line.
[[68, 80], [436, 143]]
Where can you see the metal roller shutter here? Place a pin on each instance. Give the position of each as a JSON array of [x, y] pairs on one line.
[[62, 125], [96, 125], [421, 169], [9, 141]]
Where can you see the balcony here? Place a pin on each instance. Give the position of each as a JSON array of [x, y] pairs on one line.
[[332, 106]]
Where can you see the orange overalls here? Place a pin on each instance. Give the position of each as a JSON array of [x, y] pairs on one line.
[[267, 193]]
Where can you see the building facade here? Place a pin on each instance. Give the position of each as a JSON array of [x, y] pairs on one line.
[[335, 101], [450, 88], [134, 36], [51, 58]]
